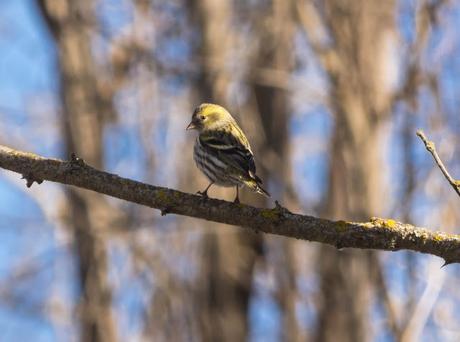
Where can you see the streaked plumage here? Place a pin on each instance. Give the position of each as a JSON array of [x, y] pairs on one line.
[[222, 151]]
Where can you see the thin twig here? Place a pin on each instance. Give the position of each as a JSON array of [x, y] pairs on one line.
[[431, 148]]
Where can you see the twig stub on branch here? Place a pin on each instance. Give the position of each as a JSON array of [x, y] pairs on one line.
[[379, 234]]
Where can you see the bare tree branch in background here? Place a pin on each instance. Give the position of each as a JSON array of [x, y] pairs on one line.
[[413, 331]]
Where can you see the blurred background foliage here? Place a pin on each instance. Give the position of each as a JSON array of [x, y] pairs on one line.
[[330, 94]]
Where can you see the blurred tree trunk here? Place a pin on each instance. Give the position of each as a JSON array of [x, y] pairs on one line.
[[275, 29], [229, 279], [228, 257], [363, 36], [83, 115]]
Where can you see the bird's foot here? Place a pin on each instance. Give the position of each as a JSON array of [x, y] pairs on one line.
[[203, 194]]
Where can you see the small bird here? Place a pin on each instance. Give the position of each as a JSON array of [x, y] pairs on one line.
[[222, 151]]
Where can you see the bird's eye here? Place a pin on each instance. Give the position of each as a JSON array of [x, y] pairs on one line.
[[202, 117]]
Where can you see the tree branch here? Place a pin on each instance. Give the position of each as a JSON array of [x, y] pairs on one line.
[[380, 234], [431, 148]]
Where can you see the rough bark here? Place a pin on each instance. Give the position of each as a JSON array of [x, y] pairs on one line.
[[381, 234]]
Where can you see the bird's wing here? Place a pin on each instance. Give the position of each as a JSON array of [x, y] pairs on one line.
[[231, 151]]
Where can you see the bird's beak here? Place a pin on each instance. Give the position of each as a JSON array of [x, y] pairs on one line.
[[190, 126]]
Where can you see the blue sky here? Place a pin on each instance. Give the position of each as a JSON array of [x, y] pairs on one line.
[[26, 73], [27, 77]]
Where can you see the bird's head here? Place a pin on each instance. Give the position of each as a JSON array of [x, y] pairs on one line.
[[208, 116]]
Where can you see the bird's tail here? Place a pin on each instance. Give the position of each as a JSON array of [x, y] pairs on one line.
[[254, 185]]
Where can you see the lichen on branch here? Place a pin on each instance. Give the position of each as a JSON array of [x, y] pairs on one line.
[[377, 233]]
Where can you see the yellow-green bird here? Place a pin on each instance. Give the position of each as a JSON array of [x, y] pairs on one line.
[[222, 151]]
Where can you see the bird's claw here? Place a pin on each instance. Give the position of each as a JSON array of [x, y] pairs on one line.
[[203, 194]]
